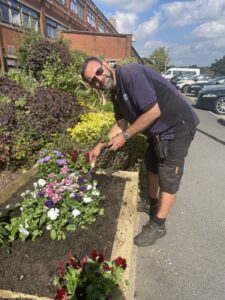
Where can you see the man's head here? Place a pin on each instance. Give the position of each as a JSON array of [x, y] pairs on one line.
[[98, 74]]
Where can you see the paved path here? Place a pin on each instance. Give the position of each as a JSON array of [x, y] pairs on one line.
[[189, 262]]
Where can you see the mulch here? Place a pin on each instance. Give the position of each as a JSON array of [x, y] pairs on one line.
[[30, 267]]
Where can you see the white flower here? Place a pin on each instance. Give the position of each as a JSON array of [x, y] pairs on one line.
[[34, 195], [27, 192], [49, 227], [23, 230], [95, 193], [21, 208], [87, 199], [76, 213], [72, 195], [26, 224], [35, 184], [22, 195], [53, 213], [8, 206], [89, 186], [41, 182]]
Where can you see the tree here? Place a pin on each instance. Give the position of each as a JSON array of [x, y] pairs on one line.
[[159, 59], [218, 67]]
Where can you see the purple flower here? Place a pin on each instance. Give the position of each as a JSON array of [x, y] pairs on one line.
[[58, 154], [44, 159], [40, 194], [80, 179], [61, 162], [78, 197], [83, 188], [49, 203]]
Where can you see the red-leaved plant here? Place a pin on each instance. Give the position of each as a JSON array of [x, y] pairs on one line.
[[91, 278]]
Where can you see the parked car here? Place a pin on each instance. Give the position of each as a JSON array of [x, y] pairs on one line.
[[212, 98], [175, 79], [194, 88], [184, 84]]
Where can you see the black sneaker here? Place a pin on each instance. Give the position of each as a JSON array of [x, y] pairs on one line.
[[145, 207], [150, 233]]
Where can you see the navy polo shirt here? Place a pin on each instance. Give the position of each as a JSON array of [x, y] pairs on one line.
[[139, 88]]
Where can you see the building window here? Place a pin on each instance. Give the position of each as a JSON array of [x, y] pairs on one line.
[[101, 27], [77, 8], [10, 12], [63, 2], [29, 18], [91, 19], [16, 14], [53, 28]]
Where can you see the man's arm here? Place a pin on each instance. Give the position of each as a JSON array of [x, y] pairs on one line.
[[116, 129], [142, 123]]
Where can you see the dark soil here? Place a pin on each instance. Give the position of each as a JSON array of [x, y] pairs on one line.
[[31, 266]]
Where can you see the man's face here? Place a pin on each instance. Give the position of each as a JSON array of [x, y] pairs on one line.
[[99, 76]]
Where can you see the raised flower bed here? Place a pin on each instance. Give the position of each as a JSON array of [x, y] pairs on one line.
[[31, 265]]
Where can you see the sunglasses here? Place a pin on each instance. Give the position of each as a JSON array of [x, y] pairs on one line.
[[98, 72]]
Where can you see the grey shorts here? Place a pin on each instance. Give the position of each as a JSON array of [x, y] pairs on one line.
[[170, 170]]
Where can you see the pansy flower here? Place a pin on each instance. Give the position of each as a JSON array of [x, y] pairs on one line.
[[49, 203]]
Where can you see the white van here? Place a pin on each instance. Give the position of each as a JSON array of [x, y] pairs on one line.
[[181, 72]]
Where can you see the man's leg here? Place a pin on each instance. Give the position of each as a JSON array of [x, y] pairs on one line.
[[153, 185], [166, 203]]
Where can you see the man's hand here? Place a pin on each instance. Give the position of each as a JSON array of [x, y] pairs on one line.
[[116, 142], [94, 154]]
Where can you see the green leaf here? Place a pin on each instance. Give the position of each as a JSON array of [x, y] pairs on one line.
[[71, 227], [101, 212], [42, 220], [53, 234]]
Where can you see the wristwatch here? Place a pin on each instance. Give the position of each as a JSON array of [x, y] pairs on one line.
[[126, 135]]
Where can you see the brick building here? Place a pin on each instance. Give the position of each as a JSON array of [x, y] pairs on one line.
[[80, 20]]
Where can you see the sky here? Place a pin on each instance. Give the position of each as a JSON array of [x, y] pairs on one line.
[[192, 31]]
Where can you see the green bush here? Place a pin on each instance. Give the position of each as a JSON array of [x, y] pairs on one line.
[[38, 51], [91, 128]]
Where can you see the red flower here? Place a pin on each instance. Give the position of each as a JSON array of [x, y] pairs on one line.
[[61, 294], [71, 261], [106, 267], [100, 258], [84, 263], [94, 254], [74, 155], [121, 262], [61, 268]]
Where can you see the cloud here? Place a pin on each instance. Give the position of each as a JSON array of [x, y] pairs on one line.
[[126, 22], [148, 28], [209, 30], [136, 6], [189, 12]]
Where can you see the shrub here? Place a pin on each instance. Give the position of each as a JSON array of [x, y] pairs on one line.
[[40, 51], [92, 127], [51, 110], [27, 81]]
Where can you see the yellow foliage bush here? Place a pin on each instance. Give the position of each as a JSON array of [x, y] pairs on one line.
[[92, 127]]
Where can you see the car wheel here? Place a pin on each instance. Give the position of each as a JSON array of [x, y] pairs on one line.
[[219, 106], [185, 88]]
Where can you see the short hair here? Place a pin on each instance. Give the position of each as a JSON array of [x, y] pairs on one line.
[[86, 62]]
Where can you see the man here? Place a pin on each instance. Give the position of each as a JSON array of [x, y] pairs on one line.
[[152, 106]]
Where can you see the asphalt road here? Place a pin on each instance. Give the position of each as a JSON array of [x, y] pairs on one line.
[[189, 262]]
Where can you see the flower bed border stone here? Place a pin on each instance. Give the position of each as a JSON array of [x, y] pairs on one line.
[[123, 241]]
